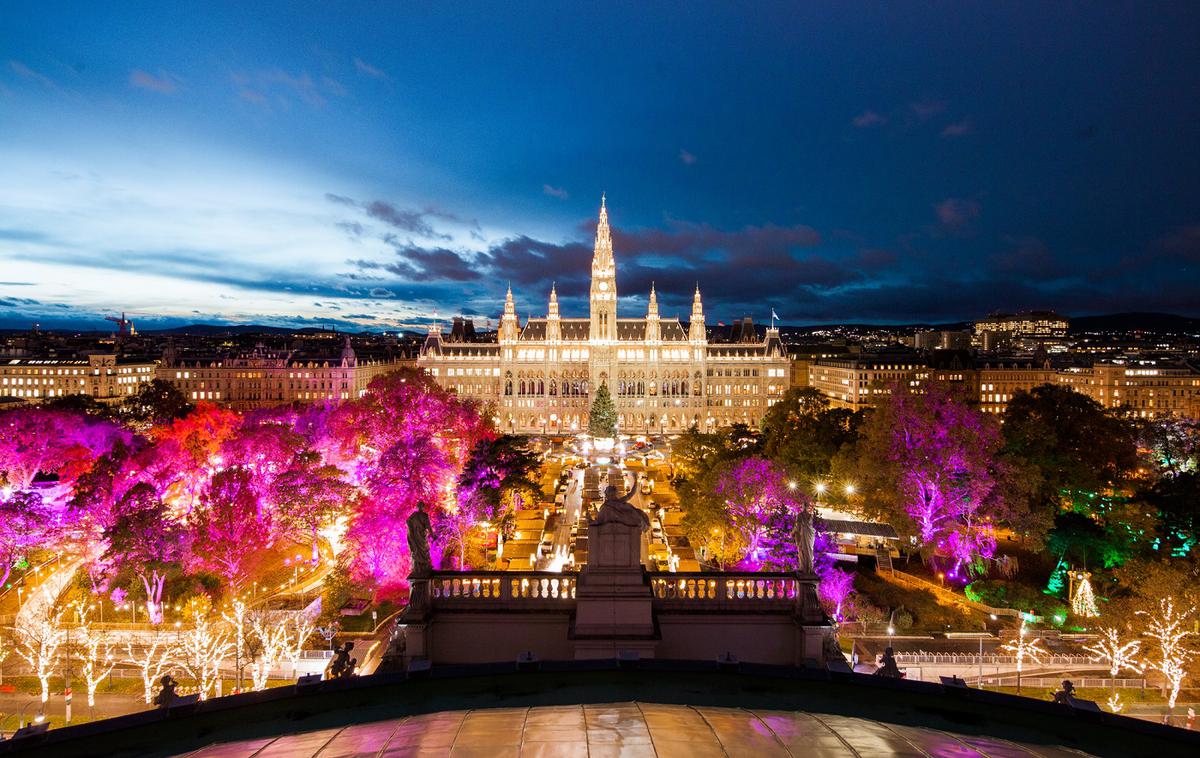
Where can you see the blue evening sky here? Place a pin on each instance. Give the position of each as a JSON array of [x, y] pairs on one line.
[[376, 164]]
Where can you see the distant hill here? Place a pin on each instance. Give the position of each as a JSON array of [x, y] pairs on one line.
[[1135, 321]]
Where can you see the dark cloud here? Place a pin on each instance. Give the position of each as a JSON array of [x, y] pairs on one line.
[[412, 221], [419, 264], [1028, 257], [868, 119], [958, 128], [955, 214]]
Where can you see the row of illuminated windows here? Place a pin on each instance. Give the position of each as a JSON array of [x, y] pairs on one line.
[[18, 381]]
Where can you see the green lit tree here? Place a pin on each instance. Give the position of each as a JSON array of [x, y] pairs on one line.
[[602, 421]]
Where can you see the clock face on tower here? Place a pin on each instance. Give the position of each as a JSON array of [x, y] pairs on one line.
[[603, 286]]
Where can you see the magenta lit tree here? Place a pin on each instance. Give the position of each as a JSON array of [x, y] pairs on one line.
[[229, 528], [26, 523], [264, 449], [311, 496], [144, 538], [66, 443], [408, 438], [761, 508], [926, 462]]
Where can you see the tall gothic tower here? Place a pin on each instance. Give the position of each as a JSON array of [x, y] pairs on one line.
[[604, 284]]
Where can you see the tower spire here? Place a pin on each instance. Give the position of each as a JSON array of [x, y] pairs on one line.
[[604, 282]]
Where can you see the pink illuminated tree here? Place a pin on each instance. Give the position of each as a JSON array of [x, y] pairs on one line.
[[408, 438], [311, 496], [761, 508], [26, 523], [928, 463], [66, 443], [229, 529], [144, 538]]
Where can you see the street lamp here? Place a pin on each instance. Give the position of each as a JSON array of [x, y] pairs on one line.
[[849, 489], [820, 488]]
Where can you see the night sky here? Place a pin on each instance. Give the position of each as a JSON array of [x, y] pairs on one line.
[[346, 164]]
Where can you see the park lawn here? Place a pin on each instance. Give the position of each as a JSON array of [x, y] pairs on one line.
[[29, 685], [928, 613], [1148, 696]]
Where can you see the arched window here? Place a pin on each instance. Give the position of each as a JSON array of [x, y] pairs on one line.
[[508, 383]]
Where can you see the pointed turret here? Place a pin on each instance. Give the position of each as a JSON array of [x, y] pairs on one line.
[[509, 324], [433, 340], [696, 328], [653, 328], [553, 325]]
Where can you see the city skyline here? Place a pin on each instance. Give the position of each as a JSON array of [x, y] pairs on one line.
[[291, 169]]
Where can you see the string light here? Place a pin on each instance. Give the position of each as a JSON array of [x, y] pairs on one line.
[[1083, 604], [1168, 629]]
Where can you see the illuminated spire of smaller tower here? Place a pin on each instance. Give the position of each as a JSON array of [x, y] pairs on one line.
[[553, 312], [696, 329], [652, 310]]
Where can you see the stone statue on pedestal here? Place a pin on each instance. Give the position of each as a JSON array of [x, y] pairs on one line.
[[617, 510], [418, 541], [806, 537]]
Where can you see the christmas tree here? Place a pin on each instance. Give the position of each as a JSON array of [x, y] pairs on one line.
[[602, 422]]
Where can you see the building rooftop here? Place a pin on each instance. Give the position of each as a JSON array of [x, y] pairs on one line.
[[601, 708]]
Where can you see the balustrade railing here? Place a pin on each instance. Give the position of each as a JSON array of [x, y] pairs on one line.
[[725, 589], [501, 586], [498, 588]]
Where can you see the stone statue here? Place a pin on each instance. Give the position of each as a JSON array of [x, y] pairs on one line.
[[617, 510], [887, 665], [418, 541], [805, 536]]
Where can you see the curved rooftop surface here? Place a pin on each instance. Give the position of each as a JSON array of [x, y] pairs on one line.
[[653, 730]]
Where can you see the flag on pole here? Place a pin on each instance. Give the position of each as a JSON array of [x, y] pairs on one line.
[[774, 315]]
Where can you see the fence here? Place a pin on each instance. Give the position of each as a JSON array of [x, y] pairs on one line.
[[973, 659], [1054, 682]]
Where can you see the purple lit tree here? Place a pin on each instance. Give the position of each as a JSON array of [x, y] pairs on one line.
[[26, 523], [761, 508], [927, 462], [310, 496], [36, 440], [144, 538]]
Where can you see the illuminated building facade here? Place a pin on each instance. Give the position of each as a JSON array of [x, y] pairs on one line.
[[664, 376], [262, 379], [102, 376]]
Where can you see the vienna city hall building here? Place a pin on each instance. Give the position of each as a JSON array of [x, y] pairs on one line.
[[664, 376]]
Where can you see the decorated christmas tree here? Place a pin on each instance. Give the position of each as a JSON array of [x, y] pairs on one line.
[[602, 421]]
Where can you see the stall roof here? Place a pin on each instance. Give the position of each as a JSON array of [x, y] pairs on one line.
[[861, 528]]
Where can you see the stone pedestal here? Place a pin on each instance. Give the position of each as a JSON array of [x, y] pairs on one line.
[[613, 611]]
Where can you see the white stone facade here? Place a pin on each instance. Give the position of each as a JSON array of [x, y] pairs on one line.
[[664, 376]]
